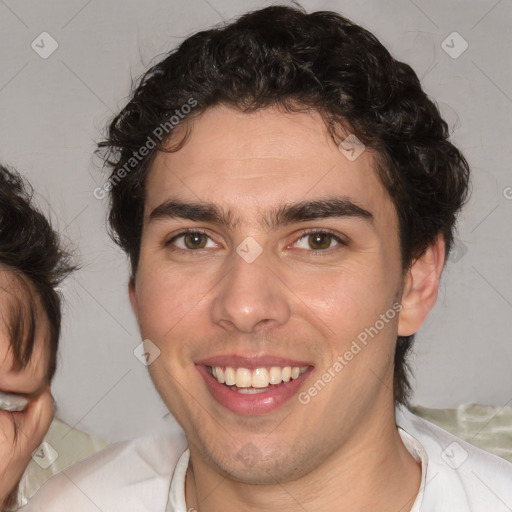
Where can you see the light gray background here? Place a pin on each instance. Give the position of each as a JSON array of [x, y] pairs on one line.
[[53, 110]]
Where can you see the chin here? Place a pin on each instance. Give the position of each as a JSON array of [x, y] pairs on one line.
[[252, 465]]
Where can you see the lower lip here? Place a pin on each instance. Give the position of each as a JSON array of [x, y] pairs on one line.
[[251, 404]]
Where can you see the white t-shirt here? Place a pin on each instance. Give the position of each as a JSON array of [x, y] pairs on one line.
[[148, 475]]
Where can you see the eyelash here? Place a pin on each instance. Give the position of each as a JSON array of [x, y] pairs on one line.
[[322, 252], [304, 233]]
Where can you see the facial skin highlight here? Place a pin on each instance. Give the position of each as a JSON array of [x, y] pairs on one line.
[[21, 432], [294, 301]]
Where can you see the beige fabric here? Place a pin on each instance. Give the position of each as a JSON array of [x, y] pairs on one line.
[[487, 426], [68, 445]]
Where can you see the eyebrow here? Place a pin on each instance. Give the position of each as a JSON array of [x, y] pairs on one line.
[[303, 211]]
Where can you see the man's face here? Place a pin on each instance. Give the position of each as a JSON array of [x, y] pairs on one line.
[[22, 431], [296, 294]]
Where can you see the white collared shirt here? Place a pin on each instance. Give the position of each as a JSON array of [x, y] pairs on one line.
[[148, 475]]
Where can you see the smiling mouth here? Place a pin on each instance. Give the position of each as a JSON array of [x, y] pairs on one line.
[[257, 380]]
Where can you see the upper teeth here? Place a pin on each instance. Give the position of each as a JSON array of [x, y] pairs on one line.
[[258, 377]]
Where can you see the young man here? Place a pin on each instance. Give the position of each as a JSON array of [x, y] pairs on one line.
[[32, 264], [287, 195]]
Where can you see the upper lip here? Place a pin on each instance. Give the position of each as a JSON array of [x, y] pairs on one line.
[[250, 361]]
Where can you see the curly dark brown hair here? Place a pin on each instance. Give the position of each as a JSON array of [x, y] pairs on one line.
[[32, 252], [282, 56]]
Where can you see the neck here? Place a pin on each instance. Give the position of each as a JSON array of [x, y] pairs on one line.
[[372, 471]]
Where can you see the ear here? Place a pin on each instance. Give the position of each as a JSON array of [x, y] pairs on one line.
[[420, 288], [132, 293]]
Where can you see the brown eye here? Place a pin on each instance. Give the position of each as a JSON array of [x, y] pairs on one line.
[[190, 241], [320, 240], [195, 240]]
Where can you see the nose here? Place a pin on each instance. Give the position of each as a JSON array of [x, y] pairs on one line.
[[250, 297]]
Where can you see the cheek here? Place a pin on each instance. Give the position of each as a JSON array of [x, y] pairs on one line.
[[6, 428], [348, 298], [170, 301]]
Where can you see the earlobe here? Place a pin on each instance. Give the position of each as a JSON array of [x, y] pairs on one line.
[[420, 288]]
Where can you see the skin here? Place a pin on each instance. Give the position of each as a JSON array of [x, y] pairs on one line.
[[21, 432], [342, 450]]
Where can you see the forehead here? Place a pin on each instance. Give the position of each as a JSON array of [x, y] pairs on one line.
[[29, 379], [261, 159]]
